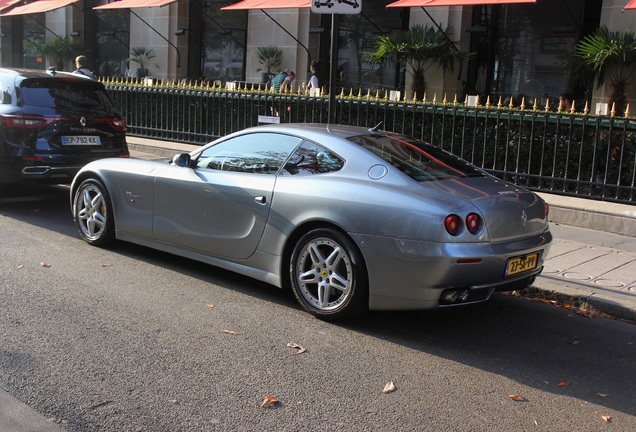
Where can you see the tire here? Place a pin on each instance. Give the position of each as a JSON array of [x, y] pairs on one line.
[[328, 275], [93, 213]]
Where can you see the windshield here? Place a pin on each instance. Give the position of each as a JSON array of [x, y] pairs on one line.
[[418, 160], [67, 95]]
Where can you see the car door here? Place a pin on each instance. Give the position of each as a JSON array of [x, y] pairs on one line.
[[220, 206]]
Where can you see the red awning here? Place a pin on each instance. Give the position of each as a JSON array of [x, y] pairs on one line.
[[6, 3], [631, 4], [433, 3], [132, 4], [39, 7], [269, 4]]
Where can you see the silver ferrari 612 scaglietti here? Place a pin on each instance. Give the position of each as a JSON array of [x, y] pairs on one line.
[[351, 219]]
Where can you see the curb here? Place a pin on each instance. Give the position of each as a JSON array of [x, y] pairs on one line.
[[589, 305]]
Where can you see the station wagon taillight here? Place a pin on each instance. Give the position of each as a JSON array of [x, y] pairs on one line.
[[22, 122], [115, 123]]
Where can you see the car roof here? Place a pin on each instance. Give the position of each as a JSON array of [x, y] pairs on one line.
[[305, 129], [51, 73]]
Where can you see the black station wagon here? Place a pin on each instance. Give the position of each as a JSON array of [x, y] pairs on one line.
[[52, 124]]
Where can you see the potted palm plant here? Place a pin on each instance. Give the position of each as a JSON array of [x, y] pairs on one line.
[[608, 55], [270, 57], [59, 51], [143, 57], [420, 47]]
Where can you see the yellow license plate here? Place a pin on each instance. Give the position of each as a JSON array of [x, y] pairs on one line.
[[522, 263]]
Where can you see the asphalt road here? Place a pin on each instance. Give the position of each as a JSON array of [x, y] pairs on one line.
[[129, 339]]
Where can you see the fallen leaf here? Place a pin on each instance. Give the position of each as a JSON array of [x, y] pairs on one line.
[[210, 305], [174, 401], [20, 266], [269, 400], [563, 384], [107, 265], [296, 346], [576, 342], [606, 418], [389, 387], [516, 397], [229, 332], [45, 265], [602, 394]]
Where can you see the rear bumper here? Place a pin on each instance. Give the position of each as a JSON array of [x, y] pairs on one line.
[[406, 274], [53, 170]]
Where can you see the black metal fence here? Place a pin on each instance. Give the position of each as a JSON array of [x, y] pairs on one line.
[[576, 154]]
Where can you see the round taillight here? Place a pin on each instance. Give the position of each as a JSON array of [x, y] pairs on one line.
[[452, 224], [473, 222], [547, 209]]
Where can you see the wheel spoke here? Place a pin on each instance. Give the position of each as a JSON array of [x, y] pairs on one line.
[[339, 282], [316, 256], [324, 292], [311, 276]]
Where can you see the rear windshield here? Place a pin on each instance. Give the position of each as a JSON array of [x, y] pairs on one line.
[[62, 95], [418, 160]]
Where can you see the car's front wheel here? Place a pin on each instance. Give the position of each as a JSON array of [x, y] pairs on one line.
[[328, 275], [92, 211]]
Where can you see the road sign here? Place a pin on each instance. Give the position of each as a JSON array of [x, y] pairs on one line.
[[343, 7]]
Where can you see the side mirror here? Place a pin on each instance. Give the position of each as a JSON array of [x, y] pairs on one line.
[[182, 160]]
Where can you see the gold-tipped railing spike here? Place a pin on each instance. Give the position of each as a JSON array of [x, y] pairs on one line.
[[414, 97], [434, 98], [424, 98], [455, 103], [572, 109], [512, 103], [488, 102], [626, 111], [444, 102], [535, 107], [351, 93], [523, 103], [586, 111], [500, 103], [360, 93], [613, 112], [342, 93], [547, 105], [377, 94]]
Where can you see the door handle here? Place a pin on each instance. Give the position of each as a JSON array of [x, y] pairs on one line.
[[260, 199]]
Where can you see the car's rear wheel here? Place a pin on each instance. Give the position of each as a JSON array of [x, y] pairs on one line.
[[328, 275], [92, 211]]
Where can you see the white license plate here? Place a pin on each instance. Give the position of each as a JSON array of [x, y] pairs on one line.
[[81, 140], [521, 264]]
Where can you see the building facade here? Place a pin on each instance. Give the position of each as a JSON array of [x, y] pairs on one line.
[[516, 50]]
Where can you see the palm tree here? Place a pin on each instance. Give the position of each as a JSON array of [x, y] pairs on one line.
[[420, 47], [609, 55]]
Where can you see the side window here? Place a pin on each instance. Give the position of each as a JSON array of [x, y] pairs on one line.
[[260, 153], [311, 158]]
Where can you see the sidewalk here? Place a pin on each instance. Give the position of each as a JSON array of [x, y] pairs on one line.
[[592, 263]]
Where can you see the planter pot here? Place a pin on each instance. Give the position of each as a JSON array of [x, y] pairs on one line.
[[142, 72]]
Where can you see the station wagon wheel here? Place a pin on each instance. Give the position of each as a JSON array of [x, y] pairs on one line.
[[328, 275], [92, 211]]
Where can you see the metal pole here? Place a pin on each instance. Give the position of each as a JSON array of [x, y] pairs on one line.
[[333, 70]]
